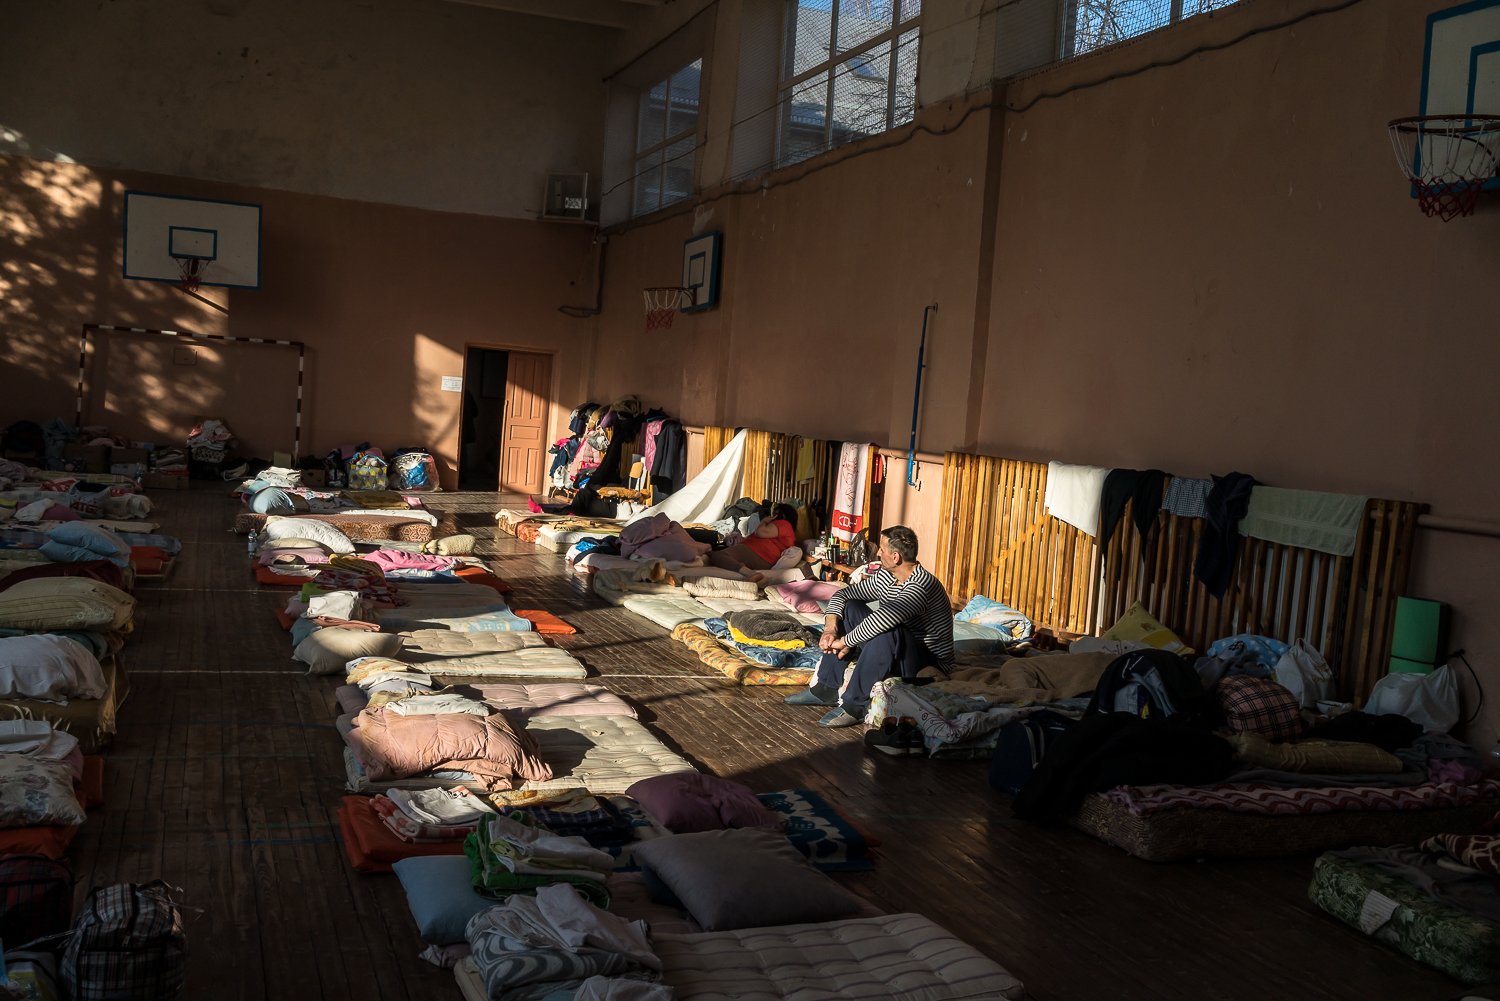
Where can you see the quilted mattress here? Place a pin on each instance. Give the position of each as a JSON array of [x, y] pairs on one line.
[[603, 754], [528, 662], [894, 956], [668, 610], [420, 646], [403, 527], [560, 539], [1184, 832], [492, 618], [526, 699], [1408, 919]]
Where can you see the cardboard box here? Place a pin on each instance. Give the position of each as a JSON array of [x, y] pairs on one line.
[[316, 478], [164, 481], [119, 456], [87, 458]]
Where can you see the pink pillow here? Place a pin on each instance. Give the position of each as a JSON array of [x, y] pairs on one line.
[[688, 802], [804, 595]]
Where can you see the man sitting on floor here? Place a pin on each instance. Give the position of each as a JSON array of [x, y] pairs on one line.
[[912, 629]]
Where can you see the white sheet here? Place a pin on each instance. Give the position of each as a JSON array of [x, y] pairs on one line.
[[1073, 494], [706, 495]]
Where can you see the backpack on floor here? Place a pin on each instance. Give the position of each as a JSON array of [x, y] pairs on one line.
[[1020, 746], [367, 472], [335, 472], [36, 898], [127, 945]]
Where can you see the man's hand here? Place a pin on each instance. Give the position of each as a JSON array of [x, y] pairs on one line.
[[827, 640], [840, 648]]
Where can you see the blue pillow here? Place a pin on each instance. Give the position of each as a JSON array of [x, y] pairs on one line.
[[100, 542], [1267, 649], [988, 612], [441, 895]]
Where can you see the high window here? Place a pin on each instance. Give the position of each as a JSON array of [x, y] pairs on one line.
[[1093, 24], [666, 139], [849, 71]]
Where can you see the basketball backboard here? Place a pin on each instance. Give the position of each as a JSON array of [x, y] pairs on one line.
[[162, 229], [700, 270], [1461, 63]]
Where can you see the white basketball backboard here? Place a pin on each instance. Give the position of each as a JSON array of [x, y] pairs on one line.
[[160, 229], [1461, 62]]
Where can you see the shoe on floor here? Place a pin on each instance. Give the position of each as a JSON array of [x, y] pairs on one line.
[[817, 695], [838, 717], [909, 737], [888, 738]]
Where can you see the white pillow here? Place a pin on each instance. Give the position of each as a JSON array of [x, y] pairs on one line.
[[44, 666], [35, 792], [321, 532]]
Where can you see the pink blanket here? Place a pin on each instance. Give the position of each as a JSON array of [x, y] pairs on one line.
[[391, 746], [398, 559], [660, 538]]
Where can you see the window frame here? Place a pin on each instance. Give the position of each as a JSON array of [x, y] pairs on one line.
[[1067, 36], [787, 86], [659, 149]]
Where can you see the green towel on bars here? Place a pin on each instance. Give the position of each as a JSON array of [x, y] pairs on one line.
[[1328, 523]]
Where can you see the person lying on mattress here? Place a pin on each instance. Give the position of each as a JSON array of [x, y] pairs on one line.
[[763, 548], [912, 629]]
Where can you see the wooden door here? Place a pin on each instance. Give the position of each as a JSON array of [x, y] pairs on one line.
[[523, 438]]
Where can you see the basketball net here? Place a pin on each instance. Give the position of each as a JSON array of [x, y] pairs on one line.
[[191, 271], [663, 303], [1447, 158]]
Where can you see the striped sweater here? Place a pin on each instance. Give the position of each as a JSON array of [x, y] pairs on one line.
[[921, 604]]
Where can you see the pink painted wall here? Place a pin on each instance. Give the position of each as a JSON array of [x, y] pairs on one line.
[[1238, 279], [386, 298]]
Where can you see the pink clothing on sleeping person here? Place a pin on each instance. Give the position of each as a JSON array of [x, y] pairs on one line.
[[400, 559]]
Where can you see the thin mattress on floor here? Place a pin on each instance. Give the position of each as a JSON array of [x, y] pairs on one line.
[[858, 959], [602, 754], [668, 610], [1462, 945], [425, 646], [93, 721], [365, 526], [528, 662], [526, 699], [560, 538], [495, 617]]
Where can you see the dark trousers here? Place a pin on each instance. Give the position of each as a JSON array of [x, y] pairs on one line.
[[898, 651]]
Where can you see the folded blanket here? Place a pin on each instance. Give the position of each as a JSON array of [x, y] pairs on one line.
[[1030, 679], [771, 626], [391, 746], [720, 587]]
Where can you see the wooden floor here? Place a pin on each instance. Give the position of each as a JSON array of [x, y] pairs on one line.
[[226, 777]]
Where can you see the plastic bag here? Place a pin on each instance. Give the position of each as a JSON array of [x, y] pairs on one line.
[[1303, 671], [1428, 699]]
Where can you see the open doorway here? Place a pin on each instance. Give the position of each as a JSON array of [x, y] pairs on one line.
[[502, 440], [482, 424]]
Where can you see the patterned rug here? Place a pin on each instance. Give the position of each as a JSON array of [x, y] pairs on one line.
[[829, 841]]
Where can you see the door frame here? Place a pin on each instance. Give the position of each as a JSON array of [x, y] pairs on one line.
[[551, 389]]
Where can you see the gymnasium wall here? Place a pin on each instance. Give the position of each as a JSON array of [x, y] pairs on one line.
[[1207, 265], [425, 103], [385, 297]]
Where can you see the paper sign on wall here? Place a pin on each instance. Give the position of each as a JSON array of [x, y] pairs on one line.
[[453, 384]]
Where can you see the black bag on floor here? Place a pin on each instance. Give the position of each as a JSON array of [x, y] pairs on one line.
[[36, 898], [1020, 746], [127, 945]]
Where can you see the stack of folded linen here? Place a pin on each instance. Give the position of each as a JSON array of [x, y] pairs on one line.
[[508, 856]]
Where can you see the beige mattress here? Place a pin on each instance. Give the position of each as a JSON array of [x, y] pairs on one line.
[[668, 610], [358, 527], [529, 662], [525, 699], [422, 646], [893, 956], [602, 754], [92, 721], [560, 540]]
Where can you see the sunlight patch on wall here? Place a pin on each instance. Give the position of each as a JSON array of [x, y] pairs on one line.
[[435, 412]]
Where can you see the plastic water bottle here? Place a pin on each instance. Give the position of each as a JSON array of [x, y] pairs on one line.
[[252, 542]]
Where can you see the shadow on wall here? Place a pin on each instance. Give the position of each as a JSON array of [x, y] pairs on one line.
[[61, 224]]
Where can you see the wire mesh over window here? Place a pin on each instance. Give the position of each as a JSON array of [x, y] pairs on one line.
[[849, 70], [1093, 24], [666, 139]]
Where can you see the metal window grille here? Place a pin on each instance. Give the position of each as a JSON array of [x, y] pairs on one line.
[[1093, 24], [848, 70], [666, 139]]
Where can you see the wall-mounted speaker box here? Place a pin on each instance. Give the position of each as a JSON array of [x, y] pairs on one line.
[[1419, 642]]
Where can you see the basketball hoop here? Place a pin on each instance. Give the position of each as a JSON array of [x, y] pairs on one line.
[[662, 304], [1448, 158], [191, 271]]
